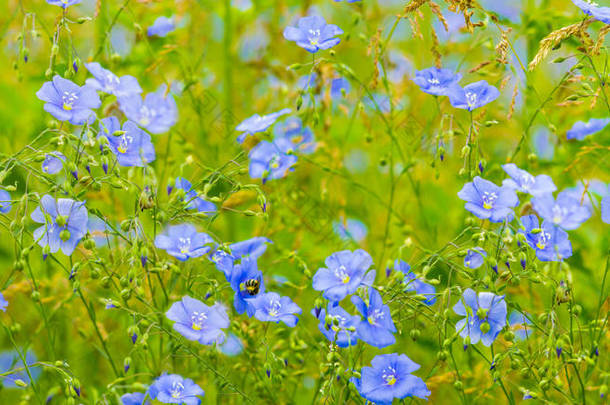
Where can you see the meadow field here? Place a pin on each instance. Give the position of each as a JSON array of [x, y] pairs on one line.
[[304, 202]]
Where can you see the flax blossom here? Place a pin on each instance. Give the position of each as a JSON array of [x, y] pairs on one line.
[[65, 224], [175, 389], [270, 307], [472, 96], [184, 242], [196, 321], [313, 34], [390, 377], [488, 201], [436, 81], [376, 327], [68, 102], [343, 274], [485, 316]]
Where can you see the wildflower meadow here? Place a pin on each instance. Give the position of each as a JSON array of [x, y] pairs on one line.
[[304, 202]]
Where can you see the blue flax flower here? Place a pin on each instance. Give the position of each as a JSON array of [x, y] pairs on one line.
[[157, 113], [65, 224], [522, 181], [271, 160], [339, 87], [376, 327], [475, 258], [605, 207], [3, 303], [184, 242], [602, 14], [302, 138], [196, 321], [225, 260], [488, 201], [390, 377], [567, 211], [192, 199], [232, 346], [343, 274], [247, 283], [312, 34], [350, 229], [258, 123], [131, 145], [11, 360], [175, 389], [592, 9], [472, 96], [520, 325], [485, 316], [306, 82], [270, 307], [106, 81], [436, 81], [582, 129], [63, 3], [53, 162], [68, 102], [5, 202], [134, 398], [161, 27], [587, 191], [415, 284], [550, 242], [585, 5], [341, 326]]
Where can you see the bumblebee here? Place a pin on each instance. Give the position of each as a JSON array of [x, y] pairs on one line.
[[252, 286]]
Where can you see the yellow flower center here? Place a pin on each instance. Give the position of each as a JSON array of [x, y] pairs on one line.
[[196, 326], [67, 107]]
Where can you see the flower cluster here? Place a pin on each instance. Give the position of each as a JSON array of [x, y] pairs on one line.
[[172, 255], [443, 82]]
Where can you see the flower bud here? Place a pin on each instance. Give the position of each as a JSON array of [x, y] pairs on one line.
[[125, 225], [19, 265], [126, 293], [61, 220], [64, 235], [465, 151], [35, 296]]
